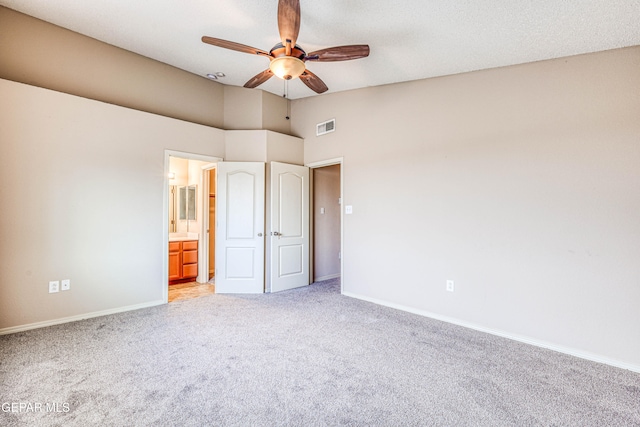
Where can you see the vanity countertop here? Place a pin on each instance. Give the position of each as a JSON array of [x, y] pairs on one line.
[[182, 237]]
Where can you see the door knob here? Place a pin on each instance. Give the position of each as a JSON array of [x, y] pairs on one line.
[[259, 234], [275, 233]]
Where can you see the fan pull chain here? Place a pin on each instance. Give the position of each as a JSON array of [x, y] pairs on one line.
[[285, 95]]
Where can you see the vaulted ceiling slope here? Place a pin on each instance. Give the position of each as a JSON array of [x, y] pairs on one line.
[[409, 40]]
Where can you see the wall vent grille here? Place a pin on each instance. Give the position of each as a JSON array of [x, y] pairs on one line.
[[326, 127]]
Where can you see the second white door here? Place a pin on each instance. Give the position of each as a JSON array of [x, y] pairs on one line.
[[289, 227]]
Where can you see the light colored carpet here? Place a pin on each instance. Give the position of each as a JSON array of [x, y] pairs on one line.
[[306, 357]]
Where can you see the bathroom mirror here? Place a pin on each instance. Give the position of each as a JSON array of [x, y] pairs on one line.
[[187, 203]]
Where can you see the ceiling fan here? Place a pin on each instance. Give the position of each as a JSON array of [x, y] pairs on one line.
[[287, 59]]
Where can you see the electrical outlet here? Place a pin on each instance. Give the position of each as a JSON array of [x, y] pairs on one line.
[[450, 286], [54, 286], [65, 285]]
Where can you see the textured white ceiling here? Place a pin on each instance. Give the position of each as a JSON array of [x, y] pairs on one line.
[[409, 40]]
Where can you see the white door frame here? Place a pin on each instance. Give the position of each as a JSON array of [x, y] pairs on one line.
[[321, 164], [165, 215], [203, 256]]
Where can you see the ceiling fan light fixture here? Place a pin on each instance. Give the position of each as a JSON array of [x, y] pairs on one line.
[[287, 59], [287, 67]]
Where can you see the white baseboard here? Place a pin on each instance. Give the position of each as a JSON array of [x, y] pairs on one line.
[[329, 277], [524, 339], [36, 325]]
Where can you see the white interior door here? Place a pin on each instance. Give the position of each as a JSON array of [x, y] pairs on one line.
[[289, 231], [240, 231]]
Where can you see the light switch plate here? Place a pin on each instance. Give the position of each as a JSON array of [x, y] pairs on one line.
[[65, 285], [348, 209]]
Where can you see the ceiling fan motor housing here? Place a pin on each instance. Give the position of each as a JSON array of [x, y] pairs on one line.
[[280, 50]]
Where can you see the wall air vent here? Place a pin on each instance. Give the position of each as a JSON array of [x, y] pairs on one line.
[[325, 127]]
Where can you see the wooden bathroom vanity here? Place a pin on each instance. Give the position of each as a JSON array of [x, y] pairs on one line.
[[183, 261]]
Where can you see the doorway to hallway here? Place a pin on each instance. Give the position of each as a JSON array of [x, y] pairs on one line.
[[327, 220], [326, 223]]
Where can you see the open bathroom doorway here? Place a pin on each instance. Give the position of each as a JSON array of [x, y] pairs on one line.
[[189, 228]]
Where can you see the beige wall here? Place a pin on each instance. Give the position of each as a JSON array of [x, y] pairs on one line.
[[521, 184], [326, 222], [242, 108], [86, 182], [263, 146], [284, 148], [251, 109], [274, 113], [246, 146], [42, 54], [180, 167]]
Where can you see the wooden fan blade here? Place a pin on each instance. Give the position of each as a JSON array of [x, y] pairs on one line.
[[339, 53], [258, 79], [289, 22], [313, 82], [234, 46]]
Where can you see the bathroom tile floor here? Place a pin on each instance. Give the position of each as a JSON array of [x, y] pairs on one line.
[[189, 290]]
